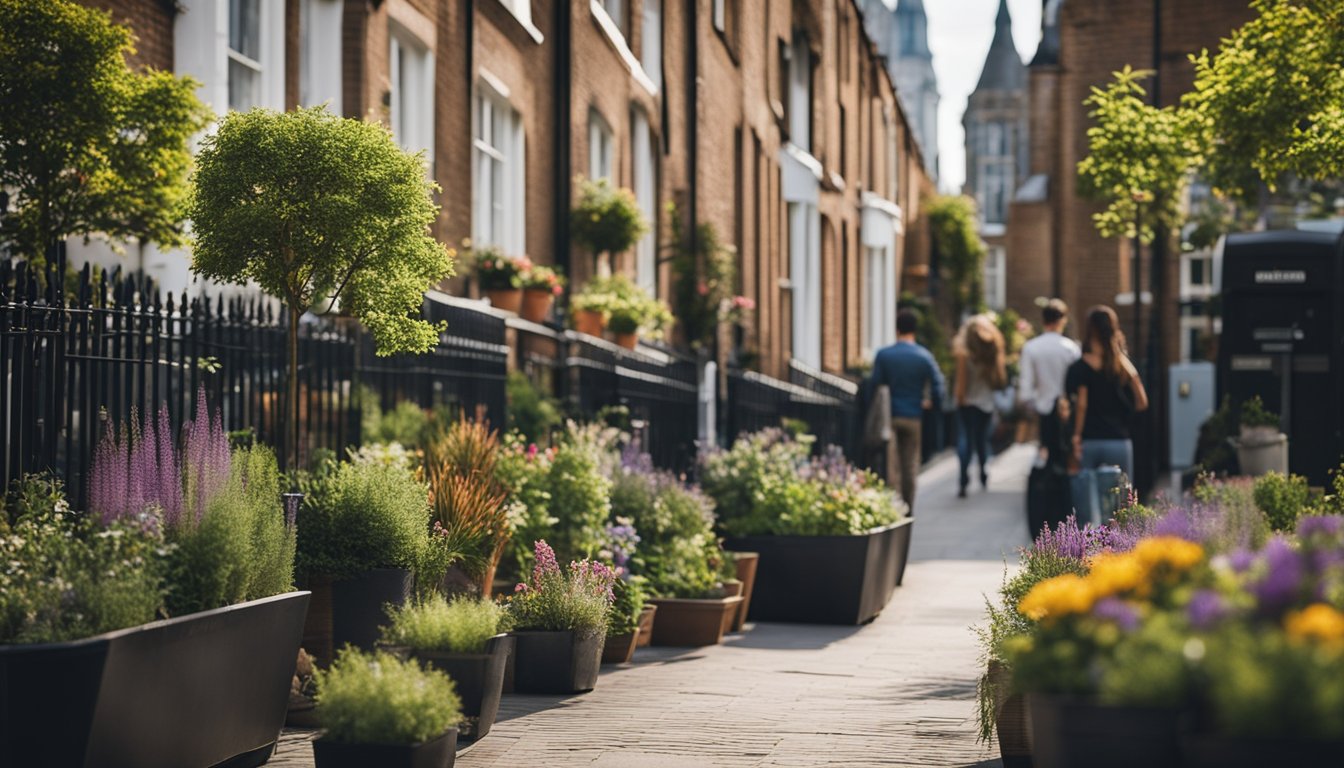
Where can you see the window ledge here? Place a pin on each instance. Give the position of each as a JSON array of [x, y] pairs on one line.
[[526, 24], [617, 41], [805, 159]]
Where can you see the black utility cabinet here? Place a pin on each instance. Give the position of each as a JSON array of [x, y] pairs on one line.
[[1283, 339]]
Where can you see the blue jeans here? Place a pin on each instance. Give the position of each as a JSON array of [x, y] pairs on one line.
[[1101, 453], [972, 437], [1094, 492]]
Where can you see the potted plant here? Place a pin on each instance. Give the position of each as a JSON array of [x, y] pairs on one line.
[[623, 623], [590, 309], [461, 638], [540, 287], [500, 277], [833, 539], [1262, 448], [605, 220], [560, 623], [379, 710], [364, 531], [678, 554], [624, 320], [185, 554]]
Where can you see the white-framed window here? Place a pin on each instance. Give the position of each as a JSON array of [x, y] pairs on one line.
[[646, 193], [320, 26], [992, 189], [800, 93], [245, 69], [651, 42], [521, 9], [411, 72], [880, 321], [996, 277], [601, 148], [498, 204], [805, 281], [235, 49]]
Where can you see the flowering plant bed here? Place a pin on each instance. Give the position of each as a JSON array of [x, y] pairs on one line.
[[116, 699], [1190, 635]]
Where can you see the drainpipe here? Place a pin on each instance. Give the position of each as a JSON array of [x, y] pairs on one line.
[[562, 35]]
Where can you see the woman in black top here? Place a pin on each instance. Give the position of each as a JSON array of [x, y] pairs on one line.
[[1108, 391]]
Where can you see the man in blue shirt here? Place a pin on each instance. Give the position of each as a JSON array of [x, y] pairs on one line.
[[916, 385]]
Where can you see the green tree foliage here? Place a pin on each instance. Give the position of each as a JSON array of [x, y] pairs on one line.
[[961, 253], [1271, 101], [606, 219], [86, 144], [704, 275], [1139, 161], [313, 207]]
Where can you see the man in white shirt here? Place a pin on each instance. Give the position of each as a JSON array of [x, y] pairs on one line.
[[1045, 361]]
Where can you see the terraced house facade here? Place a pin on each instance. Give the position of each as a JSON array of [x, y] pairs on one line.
[[775, 121]]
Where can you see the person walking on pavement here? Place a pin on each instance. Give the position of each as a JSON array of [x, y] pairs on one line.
[[981, 371], [1044, 365], [1108, 390], [916, 384]]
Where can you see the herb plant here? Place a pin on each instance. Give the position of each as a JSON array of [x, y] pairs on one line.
[[554, 599], [363, 516], [1283, 499], [379, 699], [460, 625]]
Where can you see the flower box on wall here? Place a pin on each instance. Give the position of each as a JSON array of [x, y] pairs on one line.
[[826, 579], [203, 689]]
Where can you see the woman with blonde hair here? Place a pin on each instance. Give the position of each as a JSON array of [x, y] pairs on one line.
[[1108, 391], [978, 348]]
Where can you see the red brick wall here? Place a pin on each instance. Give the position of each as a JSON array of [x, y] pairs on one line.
[[152, 23]]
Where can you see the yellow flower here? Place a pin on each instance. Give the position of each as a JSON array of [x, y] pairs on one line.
[[1318, 622], [1169, 551], [1115, 574], [1055, 597]]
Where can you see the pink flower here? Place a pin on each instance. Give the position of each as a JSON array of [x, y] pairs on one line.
[[702, 289], [546, 566], [532, 450], [742, 302]]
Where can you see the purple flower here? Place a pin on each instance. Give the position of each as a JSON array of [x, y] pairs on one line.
[[546, 566], [1206, 609], [1282, 581], [1115, 610], [1241, 560], [1319, 525], [1066, 540]]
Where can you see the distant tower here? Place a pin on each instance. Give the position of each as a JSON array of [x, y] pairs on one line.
[[997, 149], [904, 40]]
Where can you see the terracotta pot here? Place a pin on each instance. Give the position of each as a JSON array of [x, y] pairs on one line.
[[507, 299], [732, 588], [627, 340], [588, 321], [619, 649], [693, 623], [746, 563], [537, 304], [645, 634]]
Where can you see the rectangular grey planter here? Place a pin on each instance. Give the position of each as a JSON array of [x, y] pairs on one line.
[[196, 691], [826, 579]]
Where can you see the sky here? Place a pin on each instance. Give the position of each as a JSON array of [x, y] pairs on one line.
[[959, 35]]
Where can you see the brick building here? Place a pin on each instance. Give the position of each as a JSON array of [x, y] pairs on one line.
[[776, 121], [1053, 248]]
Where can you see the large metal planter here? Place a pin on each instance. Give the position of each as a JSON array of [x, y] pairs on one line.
[[479, 678], [202, 690], [556, 662], [826, 579]]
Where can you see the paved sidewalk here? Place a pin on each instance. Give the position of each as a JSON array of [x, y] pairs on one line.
[[899, 691]]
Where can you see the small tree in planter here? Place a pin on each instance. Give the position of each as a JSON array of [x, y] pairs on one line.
[[312, 206], [86, 143], [461, 639], [605, 220], [379, 710], [560, 622]]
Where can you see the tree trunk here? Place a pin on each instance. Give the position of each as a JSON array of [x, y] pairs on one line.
[[291, 431]]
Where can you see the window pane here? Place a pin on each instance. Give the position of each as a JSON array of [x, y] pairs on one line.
[[244, 28], [243, 84]]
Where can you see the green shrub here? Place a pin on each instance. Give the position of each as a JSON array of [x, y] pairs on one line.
[[379, 699], [531, 413], [462, 625], [628, 602], [242, 548], [579, 500], [1282, 499], [363, 516], [65, 577], [1254, 414], [523, 471], [407, 423], [677, 550], [606, 219]]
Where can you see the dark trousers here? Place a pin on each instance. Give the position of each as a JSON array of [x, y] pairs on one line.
[[972, 438]]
